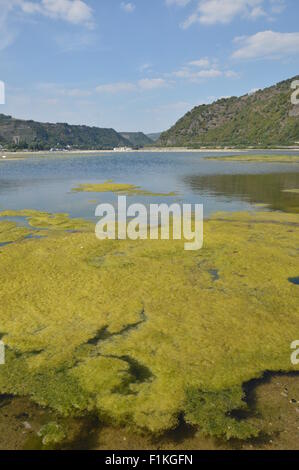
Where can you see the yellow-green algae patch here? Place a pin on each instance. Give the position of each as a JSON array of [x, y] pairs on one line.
[[46, 220], [294, 191], [141, 332], [119, 188], [10, 232], [257, 158]]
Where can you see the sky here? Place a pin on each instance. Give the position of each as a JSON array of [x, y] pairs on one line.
[[140, 65]]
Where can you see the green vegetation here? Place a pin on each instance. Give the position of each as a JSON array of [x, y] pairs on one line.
[[44, 220], [293, 191], [11, 233], [137, 139], [119, 188], [211, 410], [16, 134], [257, 158], [52, 434], [263, 119], [142, 332], [154, 136]]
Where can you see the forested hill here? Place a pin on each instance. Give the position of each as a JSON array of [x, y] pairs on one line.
[[264, 118], [20, 134], [137, 139], [154, 136]]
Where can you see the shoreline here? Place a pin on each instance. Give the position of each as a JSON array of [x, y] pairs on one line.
[[10, 156]]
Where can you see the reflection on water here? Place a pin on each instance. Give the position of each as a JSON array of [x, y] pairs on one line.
[[256, 189], [45, 183]]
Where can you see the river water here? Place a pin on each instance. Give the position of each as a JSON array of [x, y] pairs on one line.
[[46, 183]]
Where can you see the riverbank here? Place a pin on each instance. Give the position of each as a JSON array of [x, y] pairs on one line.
[[23, 155]]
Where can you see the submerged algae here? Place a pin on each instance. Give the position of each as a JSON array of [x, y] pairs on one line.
[[119, 188], [52, 434], [46, 220], [75, 328], [10, 232], [257, 158]]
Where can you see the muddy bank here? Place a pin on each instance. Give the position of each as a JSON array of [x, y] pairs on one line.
[[273, 400]]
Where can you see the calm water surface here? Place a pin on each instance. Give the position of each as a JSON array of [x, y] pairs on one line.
[[45, 183]]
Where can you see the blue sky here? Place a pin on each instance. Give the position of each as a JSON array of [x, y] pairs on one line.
[[140, 65]]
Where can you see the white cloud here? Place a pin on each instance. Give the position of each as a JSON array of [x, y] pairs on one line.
[[267, 44], [211, 73], [253, 91], [208, 68], [231, 74], [151, 83], [210, 12], [193, 18], [127, 7], [257, 12], [145, 84], [223, 11], [7, 34], [72, 11], [179, 3], [77, 93], [77, 12], [59, 90], [145, 67], [201, 63], [183, 73], [194, 76]]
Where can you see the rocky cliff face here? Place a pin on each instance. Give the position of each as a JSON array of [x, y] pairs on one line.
[[266, 117]]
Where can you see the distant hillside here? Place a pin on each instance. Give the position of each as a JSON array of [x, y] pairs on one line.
[[264, 118], [155, 136], [19, 134], [137, 139]]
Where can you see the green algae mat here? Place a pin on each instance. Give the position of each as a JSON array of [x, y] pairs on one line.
[[119, 188], [257, 158], [142, 333]]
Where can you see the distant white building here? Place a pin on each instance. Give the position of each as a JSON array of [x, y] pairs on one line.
[[122, 149]]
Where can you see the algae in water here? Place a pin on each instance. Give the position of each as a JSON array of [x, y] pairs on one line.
[[146, 334]]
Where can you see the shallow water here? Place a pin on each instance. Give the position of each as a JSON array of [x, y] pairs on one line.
[[21, 420], [46, 183]]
